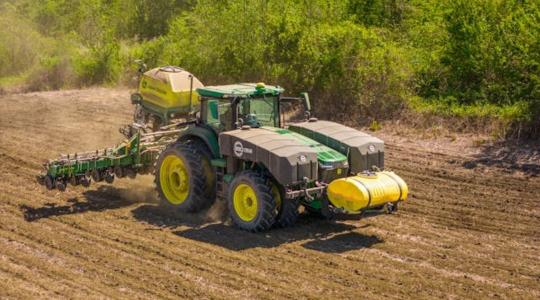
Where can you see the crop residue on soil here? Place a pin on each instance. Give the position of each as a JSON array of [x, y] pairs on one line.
[[467, 232]]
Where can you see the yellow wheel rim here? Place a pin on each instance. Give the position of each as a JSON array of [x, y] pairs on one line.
[[245, 202], [174, 179]]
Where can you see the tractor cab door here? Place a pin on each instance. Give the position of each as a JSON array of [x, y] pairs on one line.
[[217, 114]]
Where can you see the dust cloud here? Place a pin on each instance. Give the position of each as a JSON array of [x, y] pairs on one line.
[[217, 212], [140, 189]]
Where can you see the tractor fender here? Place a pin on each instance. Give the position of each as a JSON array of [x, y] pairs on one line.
[[205, 134]]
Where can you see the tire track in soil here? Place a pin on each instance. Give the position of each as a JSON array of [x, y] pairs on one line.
[[191, 255]]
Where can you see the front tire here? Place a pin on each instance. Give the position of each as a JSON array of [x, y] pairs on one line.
[[288, 213], [250, 201], [209, 171], [286, 209]]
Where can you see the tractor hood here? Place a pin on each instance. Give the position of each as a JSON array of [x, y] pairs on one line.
[[288, 160], [290, 157], [313, 150]]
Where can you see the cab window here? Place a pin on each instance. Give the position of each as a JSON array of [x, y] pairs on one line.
[[218, 114], [261, 111]]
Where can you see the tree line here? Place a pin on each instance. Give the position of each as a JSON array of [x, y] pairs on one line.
[[362, 60]]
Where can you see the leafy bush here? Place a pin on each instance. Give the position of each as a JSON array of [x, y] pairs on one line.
[[20, 44], [53, 73], [492, 55], [346, 66], [99, 64], [352, 71], [378, 12]]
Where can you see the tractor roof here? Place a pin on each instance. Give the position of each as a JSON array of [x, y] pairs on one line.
[[239, 90]]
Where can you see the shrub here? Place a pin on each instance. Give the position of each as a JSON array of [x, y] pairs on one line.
[[353, 71], [492, 53], [53, 73], [359, 58], [302, 46], [20, 44]]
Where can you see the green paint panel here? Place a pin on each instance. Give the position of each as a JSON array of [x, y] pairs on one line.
[[219, 162], [324, 154], [206, 134], [315, 204], [321, 137], [228, 178]]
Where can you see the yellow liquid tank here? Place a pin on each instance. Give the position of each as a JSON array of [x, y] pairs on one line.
[[367, 191]]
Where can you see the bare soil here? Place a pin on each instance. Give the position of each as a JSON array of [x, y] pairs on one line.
[[469, 230]]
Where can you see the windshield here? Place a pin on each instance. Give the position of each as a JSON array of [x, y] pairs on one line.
[[261, 111]]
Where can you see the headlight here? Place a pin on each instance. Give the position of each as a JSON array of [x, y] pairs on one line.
[[333, 165], [326, 165]]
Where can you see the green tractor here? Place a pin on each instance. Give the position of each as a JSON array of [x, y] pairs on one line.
[[235, 146]]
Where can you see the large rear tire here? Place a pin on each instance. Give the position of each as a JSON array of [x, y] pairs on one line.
[[250, 201], [179, 178], [208, 170]]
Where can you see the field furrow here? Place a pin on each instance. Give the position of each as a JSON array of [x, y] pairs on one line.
[[466, 232]]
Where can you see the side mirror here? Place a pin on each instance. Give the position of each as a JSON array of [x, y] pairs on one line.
[[239, 123], [307, 104]]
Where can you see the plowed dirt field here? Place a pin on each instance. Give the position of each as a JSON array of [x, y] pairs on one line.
[[470, 229]]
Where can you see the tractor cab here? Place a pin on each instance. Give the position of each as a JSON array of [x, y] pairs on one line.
[[229, 107]]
